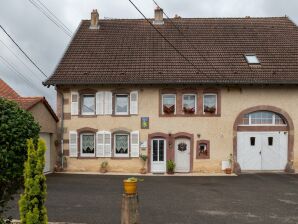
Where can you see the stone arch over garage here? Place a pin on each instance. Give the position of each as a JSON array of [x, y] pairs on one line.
[[290, 129]]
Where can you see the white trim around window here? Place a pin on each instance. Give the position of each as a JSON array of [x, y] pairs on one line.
[[187, 94], [210, 94], [162, 102], [128, 146], [127, 106], [94, 104], [81, 145]]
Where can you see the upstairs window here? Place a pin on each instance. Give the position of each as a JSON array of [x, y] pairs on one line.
[[189, 103], [252, 59], [169, 103], [263, 118], [88, 105], [121, 104], [210, 103]]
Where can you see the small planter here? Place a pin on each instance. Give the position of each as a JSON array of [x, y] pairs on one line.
[[170, 167], [189, 110], [130, 187], [103, 170], [143, 171], [209, 110], [228, 170], [169, 110]]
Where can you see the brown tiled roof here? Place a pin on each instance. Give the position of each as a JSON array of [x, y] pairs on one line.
[[25, 103], [131, 51]]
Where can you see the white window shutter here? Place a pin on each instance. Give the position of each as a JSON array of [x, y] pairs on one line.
[[73, 144], [74, 103], [134, 102], [100, 103], [108, 102], [100, 144], [108, 144], [134, 143]]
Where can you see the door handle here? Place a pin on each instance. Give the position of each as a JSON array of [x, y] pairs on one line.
[[260, 152]]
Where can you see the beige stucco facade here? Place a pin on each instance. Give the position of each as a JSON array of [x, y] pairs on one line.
[[48, 126], [217, 129]]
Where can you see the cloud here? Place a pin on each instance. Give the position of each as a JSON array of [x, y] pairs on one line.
[[45, 42]]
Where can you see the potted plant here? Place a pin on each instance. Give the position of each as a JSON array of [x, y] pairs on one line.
[[189, 110], [130, 185], [104, 166], [170, 166], [169, 109], [229, 169], [209, 109], [144, 159]]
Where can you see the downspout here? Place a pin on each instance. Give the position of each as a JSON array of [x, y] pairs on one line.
[[62, 127]]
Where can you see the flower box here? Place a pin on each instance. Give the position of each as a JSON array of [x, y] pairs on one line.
[[169, 109], [189, 110], [209, 109]]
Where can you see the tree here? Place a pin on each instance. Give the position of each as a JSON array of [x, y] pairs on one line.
[[16, 126], [31, 204]]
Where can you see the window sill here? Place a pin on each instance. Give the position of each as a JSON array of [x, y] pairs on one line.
[[90, 116], [121, 158]]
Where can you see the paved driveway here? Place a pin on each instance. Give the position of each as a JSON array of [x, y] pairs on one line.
[[254, 198]]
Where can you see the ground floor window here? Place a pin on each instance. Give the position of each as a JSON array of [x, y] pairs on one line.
[[121, 145], [87, 144]]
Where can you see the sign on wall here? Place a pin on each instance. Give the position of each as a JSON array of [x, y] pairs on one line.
[[144, 122]]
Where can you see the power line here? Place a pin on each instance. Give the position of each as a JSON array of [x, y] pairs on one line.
[[23, 52], [186, 59], [56, 22], [19, 59], [21, 75], [181, 33], [53, 14]]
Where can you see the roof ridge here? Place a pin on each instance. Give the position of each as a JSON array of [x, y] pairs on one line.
[[196, 18]]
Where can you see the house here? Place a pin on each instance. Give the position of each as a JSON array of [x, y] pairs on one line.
[[43, 114], [191, 90]]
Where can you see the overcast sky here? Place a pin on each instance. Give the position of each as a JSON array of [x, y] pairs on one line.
[[45, 42]]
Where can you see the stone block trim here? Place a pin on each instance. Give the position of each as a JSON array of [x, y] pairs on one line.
[[289, 128]]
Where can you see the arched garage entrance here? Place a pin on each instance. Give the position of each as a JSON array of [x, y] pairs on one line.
[[263, 140]]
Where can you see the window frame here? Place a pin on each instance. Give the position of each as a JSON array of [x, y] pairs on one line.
[[272, 124], [216, 101], [252, 63], [162, 103], [81, 145], [82, 105], [190, 94], [115, 104], [128, 147]]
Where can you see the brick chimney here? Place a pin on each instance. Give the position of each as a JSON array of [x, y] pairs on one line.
[[94, 19], [158, 16]]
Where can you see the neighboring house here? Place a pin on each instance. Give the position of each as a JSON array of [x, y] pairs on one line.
[[230, 86], [43, 114]]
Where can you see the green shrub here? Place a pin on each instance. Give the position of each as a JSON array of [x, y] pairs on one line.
[[16, 126], [170, 166], [31, 204]]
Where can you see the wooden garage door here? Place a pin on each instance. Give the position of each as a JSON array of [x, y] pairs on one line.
[[262, 150]]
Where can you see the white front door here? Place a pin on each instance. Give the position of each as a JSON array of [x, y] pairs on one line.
[[158, 156], [47, 138], [262, 150], [182, 155]]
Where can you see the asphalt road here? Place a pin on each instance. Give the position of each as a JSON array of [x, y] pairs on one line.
[[253, 198]]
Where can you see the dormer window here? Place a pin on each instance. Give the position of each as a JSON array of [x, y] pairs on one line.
[[252, 59]]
